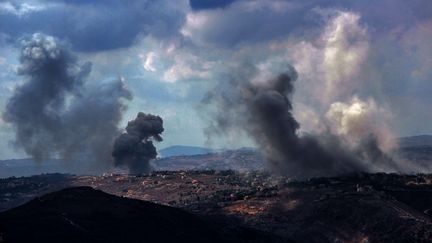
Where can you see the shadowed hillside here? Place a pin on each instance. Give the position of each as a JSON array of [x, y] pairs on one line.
[[82, 214]]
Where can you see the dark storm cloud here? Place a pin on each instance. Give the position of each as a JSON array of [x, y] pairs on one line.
[[135, 147], [244, 21], [209, 4], [103, 25], [55, 114], [95, 26]]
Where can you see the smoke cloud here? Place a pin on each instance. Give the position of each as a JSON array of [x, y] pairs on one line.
[[358, 119], [364, 127], [55, 114], [135, 147], [260, 105]]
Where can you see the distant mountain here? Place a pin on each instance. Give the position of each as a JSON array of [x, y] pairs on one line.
[[414, 141], [28, 167], [242, 159], [179, 150]]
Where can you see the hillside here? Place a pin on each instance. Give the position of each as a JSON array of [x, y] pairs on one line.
[[28, 167], [82, 214], [210, 206], [239, 160], [416, 148], [413, 141], [180, 150]]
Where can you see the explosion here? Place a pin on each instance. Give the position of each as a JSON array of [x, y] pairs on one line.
[[262, 108], [135, 147], [55, 114]]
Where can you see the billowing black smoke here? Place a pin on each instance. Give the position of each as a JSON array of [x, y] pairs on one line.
[[135, 147], [263, 109], [55, 114]]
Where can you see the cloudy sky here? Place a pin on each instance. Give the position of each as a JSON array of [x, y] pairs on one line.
[[349, 55]]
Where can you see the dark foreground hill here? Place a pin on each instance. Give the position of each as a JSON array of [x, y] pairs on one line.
[[221, 205], [82, 214]]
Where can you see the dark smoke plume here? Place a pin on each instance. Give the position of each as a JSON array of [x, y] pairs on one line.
[[55, 114], [135, 147], [262, 108]]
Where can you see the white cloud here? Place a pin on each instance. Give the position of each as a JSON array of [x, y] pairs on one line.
[[172, 62], [22, 8], [181, 71], [195, 22], [149, 61]]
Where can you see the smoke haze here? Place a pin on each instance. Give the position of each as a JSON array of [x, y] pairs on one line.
[[260, 105], [55, 114]]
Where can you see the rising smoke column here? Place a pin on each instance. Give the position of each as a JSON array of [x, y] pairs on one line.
[[55, 114], [262, 108], [135, 147], [364, 127]]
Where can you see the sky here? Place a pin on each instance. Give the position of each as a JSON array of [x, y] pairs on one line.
[[370, 57]]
